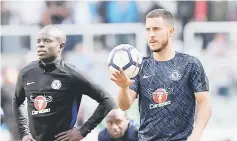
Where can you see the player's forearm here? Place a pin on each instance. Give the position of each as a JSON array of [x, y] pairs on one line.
[[124, 99], [203, 115], [105, 106], [22, 124]]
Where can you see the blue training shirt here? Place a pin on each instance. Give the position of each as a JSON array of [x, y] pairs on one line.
[[166, 97]]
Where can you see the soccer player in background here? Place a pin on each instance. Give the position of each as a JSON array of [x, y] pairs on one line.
[[54, 89], [168, 86], [119, 127]]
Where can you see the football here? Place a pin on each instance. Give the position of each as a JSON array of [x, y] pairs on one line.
[[127, 57]]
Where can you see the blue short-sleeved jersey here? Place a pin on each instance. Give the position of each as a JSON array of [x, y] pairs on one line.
[[166, 97]]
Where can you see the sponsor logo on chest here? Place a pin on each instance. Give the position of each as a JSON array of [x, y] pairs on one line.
[[40, 104], [160, 97]]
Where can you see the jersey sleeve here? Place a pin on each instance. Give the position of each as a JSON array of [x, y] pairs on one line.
[[198, 79], [106, 103], [18, 106], [136, 85]]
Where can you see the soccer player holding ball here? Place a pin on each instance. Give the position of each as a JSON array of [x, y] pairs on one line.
[[168, 86]]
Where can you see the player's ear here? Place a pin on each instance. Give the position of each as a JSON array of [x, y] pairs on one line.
[[62, 46], [171, 31]]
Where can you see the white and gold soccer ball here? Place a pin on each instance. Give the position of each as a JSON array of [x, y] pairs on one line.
[[127, 57]]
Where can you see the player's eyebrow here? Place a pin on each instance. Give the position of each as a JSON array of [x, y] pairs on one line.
[[45, 38], [155, 27]]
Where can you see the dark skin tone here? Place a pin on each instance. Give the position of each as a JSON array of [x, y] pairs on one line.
[[117, 123], [70, 135], [50, 44]]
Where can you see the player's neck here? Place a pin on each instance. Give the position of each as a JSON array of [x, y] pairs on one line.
[[52, 61], [166, 54]]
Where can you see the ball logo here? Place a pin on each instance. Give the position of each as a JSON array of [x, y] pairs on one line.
[[160, 96], [56, 84], [40, 103]]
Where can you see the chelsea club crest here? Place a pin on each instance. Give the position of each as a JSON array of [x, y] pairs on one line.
[[56, 84], [175, 75]]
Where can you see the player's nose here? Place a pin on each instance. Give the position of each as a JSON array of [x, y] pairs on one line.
[[114, 127], [152, 34], [41, 45]]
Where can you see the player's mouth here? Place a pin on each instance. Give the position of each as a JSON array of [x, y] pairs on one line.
[[153, 42], [41, 52], [117, 134]]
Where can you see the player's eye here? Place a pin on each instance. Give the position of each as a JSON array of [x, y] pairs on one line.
[[155, 28], [147, 29], [38, 41], [47, 41], [118, 122]]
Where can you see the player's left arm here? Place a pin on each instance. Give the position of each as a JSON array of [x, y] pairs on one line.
[[106, 104], [105, 100], [200, 86]]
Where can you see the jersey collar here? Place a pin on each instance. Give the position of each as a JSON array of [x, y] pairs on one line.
[[56, 62]]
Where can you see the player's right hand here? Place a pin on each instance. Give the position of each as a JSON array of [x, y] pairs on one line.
[[121, 79], [28, 138]]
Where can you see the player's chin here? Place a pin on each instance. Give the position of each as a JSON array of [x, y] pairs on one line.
[[155, 49], [153, 45], [42, 57], [116, 136]]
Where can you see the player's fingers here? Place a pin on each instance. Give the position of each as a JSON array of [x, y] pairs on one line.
[[115, 75], [121, 71], [66, 139], [60, 134], [113, 79], [118, 73], [61, 138]]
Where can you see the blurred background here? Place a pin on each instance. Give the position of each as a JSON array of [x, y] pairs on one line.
[[205, 29]]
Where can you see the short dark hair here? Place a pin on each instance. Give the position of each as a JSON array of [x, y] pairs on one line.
[[56, 31], [166, 15]]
